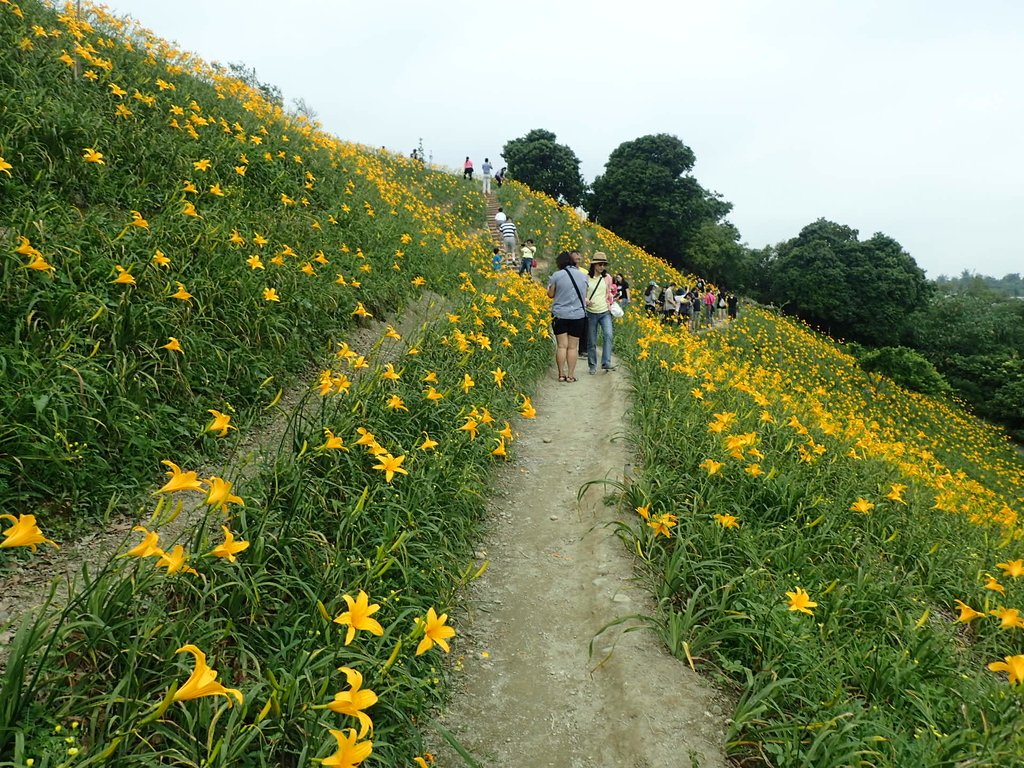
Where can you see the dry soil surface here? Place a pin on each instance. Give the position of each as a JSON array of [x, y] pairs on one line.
[[529, 691]]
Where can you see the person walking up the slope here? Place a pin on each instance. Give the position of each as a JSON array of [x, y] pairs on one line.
[[467, 169], [566, 287], [509, 235], [528, 253], [486, 169], [599, 300]]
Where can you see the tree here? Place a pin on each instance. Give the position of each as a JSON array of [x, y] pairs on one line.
[[304, 109], [540, 162], [648, 195], [859, 290]]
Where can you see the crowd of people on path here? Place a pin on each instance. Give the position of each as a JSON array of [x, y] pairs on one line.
[[584, 304], [697, 306]]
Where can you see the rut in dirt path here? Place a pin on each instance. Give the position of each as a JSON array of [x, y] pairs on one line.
[[527, 690]]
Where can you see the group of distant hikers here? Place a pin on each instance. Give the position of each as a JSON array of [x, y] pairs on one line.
[[486, 171], [584, 303], [697, 305]]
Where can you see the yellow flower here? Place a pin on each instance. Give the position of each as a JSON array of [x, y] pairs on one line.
[[1013, 666], [219, 495], [967, 614], [1012, 568], [353, 701], [90, 155], [180, 481], [427, 443], [1009, 618], [160, 259], [332, 443], [254, 262], [351, 752], [467, 383], [896, 493], [181, 294], [24, 533], [188, 186], [203, 680], [220, 424], [754, 470], [138, 221], [430, 378], [201, 165], [216, 190], [711, 466], [173, 345], [307, 268], [270, 294], [663, 524], [994, 585], [727, 520], [5, 167], [259, 239], [506, 432], [862, 505], [230, 547], [123, 276], [361, 311], [366, 438], [175, 561], [419, 281], [39, 263], [499, 376], [644, 511], [801, 601], [390, 374], [470, 426], [389, 465], [432, 394], [357, 617], [434, 631], [148, 546], [189, 210], [500, 450], [240, 170], [527, 411], [396, 403]]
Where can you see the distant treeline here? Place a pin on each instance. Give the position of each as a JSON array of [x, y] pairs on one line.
[[969, 284]]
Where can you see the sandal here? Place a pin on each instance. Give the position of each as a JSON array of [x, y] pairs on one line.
[[570, 379], [562, 378]]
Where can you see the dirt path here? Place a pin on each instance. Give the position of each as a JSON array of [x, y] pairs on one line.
[[529, 693]]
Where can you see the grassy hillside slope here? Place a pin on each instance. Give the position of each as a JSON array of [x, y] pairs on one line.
[[841, 554]]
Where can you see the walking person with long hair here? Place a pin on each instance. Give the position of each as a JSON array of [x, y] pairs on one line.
[[566, 287]]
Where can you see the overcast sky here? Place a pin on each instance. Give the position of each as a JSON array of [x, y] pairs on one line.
[[899, 116]]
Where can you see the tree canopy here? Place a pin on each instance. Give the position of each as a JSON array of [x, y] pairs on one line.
[[648, 195], [859, 290], [540, 162]]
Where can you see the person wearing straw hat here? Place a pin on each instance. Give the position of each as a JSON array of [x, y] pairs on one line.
[[599, 300]]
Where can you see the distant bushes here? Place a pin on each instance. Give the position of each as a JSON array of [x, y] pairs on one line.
[[906, 367]]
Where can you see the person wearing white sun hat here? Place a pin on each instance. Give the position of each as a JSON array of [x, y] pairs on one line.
[[599, 299]]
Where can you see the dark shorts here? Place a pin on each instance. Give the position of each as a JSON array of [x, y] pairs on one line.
[[574, 328]]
